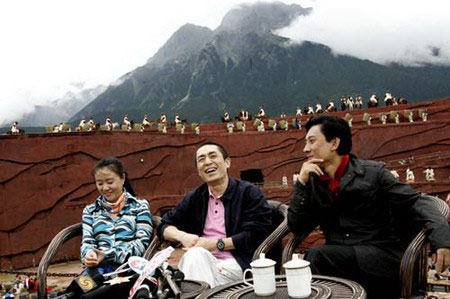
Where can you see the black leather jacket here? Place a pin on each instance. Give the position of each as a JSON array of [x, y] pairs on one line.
[[373, 210]]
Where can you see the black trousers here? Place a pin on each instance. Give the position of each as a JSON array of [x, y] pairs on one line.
[[341, 261]]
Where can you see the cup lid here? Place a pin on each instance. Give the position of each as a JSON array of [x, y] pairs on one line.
[[262, 262], [296, 262]]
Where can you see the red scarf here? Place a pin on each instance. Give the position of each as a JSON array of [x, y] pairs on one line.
[[114, 208], [333, 184]]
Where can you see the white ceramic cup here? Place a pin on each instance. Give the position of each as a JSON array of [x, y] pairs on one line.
[[263, 271], [298, 277]]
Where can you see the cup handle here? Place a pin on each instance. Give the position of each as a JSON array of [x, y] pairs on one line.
[[245, 274]]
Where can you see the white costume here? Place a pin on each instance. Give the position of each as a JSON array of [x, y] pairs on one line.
[[374, 99], [388, 98], [261, 127], [350, 103], [330, 107], [109, 124], [226, 116], [429, 174], [410, 175], [127, 123], [15, 128], [82, 123], [395, 173], [145, 121], [358, 103], [261, 113], [230, 127], [319, 108], [177, 119]]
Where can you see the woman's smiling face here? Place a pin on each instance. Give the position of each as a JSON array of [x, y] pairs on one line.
[[109, 184]]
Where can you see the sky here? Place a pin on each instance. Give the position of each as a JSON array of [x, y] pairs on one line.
[[49, 46]]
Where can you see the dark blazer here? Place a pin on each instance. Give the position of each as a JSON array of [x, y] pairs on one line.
[[247, 217], [374, 212]]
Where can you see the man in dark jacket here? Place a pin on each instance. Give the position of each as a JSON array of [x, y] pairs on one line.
[[220, 223], [361, 208]]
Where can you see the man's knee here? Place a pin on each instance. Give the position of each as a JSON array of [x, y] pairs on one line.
[[331, 260], [196, 255], [315, 253]]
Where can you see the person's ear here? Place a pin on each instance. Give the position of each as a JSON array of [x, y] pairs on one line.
[[335, 143], [228, 162]]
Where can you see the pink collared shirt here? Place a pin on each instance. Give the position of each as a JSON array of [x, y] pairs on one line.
[[215, 224]]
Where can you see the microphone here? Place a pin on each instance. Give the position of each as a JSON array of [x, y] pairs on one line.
[[84, 283], [168, 275], [143, 292]]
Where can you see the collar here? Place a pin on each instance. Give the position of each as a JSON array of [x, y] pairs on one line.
[[339, 171], [213, 196], [229, 192], [128, 199], [354, 168]]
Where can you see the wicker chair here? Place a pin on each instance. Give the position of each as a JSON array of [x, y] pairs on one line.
[[268, 246], [414, 258], [63, 236]]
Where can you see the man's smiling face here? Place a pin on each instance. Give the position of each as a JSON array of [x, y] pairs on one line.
[[211, 166]]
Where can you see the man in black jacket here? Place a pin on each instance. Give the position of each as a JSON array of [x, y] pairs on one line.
[[220, 223], [361, 208]]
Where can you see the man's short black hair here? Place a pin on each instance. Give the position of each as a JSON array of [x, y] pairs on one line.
[[222, 150], [331, 127]]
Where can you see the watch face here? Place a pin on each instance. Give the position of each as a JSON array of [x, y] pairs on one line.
[[220, 245]]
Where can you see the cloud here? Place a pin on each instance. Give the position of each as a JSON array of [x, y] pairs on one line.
[[47, 44], [384, 31]]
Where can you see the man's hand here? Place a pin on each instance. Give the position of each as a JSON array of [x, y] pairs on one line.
[[310, 166], [208, 244], [188, 240], [441, 259]]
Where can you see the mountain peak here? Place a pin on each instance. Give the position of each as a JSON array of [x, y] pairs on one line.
[[188, 39], [261, 17]]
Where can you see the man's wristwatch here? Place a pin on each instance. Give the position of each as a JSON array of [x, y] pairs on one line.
[[220, 245]]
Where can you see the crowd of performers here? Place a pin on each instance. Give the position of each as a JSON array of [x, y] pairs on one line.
[[345, 104]]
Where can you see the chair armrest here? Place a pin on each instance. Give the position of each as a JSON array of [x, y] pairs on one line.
[[407, 265], [62, 237], [280, 232], [290, 247], [416, 251], [155, 244]]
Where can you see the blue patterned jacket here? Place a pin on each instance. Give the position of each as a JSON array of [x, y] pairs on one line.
[[127, 235]]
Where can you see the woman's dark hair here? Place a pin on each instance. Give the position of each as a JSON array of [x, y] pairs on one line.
[[331, 127], [222, 150], [113, 164]]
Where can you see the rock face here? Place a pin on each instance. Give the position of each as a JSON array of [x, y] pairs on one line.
[[243, 64], [45, 179]]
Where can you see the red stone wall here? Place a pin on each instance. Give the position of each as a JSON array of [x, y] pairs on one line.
[[45, 179]]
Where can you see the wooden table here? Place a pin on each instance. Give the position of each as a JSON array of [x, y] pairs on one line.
[[321, 287]]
